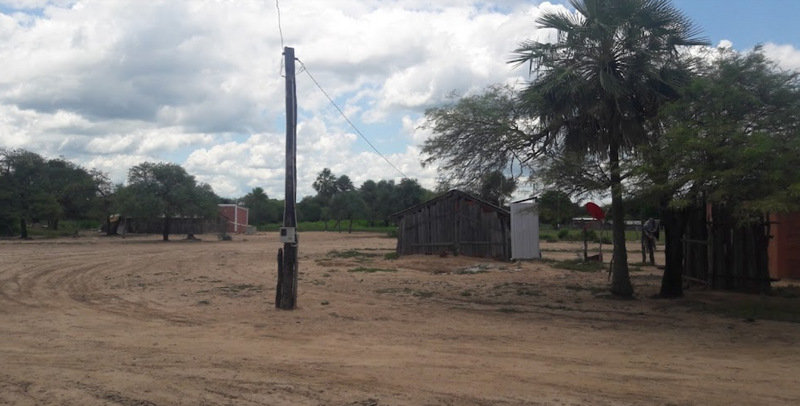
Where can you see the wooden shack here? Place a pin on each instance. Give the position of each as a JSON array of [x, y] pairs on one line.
[[455, 223]]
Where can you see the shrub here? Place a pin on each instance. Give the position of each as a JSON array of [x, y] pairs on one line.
[[563, 234]]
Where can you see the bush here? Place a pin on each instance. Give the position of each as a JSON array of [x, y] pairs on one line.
[[563, 234], [604, 239]]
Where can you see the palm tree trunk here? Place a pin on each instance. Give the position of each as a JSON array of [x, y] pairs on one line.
[[620, 278], [674, 228], [23, 226], [166, 228]]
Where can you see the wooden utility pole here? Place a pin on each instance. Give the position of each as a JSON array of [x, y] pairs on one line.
[[286, 295]]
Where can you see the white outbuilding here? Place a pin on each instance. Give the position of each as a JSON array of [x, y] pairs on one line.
[[525, 230]]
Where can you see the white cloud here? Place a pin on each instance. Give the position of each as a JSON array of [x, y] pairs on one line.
[[787, 56], [112, 83]]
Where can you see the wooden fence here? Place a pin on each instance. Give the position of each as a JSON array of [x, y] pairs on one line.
[[217, 225], [722, 253]]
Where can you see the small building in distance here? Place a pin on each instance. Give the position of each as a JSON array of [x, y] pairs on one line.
[[454, 222], [238, 217]]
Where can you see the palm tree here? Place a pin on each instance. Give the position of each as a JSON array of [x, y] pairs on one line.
[[613, 65], [344, 184], [325, 185]]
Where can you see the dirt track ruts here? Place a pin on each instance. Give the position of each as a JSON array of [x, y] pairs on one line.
[[107, 321]]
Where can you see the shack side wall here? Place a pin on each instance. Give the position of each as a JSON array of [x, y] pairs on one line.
[[455, 225]]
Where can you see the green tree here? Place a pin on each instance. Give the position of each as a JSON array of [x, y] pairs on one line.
[[385, 203], [733, 138], [477, 135], [346, 206], [104, 192], [261, 211], [309, 209], [496, 188], [165, 190], [325, 185], [556, 207], [406, 194], [74, 189], [24, 183], [369, 193], [613, 66], [344, 184]]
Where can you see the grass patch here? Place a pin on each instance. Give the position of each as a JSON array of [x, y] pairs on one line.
[[580, 266], [423, 294], [508, 310], [203, 302], [371, 270], [528, 292], [592, 289], [560, 307], [393, 290], [326, 275], [317, 282], [788, 292], [241, 288], [757, 308], [325, 303], [350, 254], [466, 293], [391, 256], [473, 270]]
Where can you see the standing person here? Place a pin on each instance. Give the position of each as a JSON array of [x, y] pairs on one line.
[[650, 235]]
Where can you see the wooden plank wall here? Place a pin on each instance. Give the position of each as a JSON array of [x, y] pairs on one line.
[[454, 225], [726, 254], [178, 226]]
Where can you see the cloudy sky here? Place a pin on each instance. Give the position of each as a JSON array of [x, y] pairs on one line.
[[113, 83]]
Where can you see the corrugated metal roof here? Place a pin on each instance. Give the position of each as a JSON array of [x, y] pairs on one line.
[[446, 195]]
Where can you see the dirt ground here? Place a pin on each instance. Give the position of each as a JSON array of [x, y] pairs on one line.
[[107, 321]]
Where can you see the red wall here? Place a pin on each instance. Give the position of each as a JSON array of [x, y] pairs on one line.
[[235, 224], [784, 246]]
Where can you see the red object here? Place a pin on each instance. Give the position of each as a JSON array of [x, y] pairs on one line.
[[595, 211], [238, 217]]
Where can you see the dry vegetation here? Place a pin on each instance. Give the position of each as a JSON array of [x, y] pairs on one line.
[[98, 321]]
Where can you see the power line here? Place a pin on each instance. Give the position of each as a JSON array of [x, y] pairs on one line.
[[304, 68], [280, 30]]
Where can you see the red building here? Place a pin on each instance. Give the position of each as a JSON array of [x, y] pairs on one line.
[[237, 216]]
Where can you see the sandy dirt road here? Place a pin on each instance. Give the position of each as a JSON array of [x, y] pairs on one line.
[[107, 321]]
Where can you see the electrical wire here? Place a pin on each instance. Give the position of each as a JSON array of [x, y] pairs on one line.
[[305, 69], [280, 30]]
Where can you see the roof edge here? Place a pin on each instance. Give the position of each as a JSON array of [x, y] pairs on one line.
[[444, 195]]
